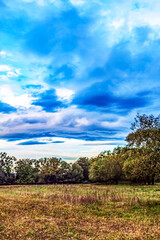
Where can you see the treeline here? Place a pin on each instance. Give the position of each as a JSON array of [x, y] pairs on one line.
[[137, 162], [42, 171]]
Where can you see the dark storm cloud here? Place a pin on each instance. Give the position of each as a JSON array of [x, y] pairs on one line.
[[48, 100], [99, 98]]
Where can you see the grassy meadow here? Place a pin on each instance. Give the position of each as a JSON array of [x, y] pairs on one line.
[[84, 212]]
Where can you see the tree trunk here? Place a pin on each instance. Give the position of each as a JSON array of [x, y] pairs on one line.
[[152, 180], [148, 181]]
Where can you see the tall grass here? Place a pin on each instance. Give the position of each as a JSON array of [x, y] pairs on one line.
[[75, 212]]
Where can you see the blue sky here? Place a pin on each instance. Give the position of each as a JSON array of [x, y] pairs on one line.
[[74, 73]]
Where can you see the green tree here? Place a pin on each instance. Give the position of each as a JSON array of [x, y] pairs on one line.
[[7, 168], [145, 159], [49, 168], [64, 172], [26, 172], [76, 173], [106, 167], [84, 163], [69, 173]]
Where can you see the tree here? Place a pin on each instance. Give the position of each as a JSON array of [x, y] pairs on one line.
[[106, 168], [145, 138], [49, 168], [6, 167], [64, 172], [145, 132], [69, 173], [84, 163], [26, 172], [76, 173]]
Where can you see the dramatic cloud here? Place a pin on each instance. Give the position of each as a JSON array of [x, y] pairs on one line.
[[6, 108], [48, 100], [74, 73], [99, 98]]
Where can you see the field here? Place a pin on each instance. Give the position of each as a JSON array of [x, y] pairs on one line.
[[86, 212]]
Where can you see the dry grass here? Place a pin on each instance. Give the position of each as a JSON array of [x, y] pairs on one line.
[[85, 212]]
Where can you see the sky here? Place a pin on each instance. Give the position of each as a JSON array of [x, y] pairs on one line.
[[74, 74]]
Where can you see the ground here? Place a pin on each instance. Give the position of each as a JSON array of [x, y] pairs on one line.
[[84, 212]]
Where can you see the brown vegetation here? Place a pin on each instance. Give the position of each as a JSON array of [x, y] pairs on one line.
[[79, 212]]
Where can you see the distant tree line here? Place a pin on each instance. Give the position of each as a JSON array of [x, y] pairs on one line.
[[43, 171], [138, 162]]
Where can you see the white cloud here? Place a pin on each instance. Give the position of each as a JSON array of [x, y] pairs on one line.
[[82, 122], [77, 2], [11, 74], [18, 71], [64, 94], [3, 54], [144, 17], [72, 149], [15, 73], [4, 68], [118, 23], [9, 71], [118, 123], [16, 100], [4, 78]]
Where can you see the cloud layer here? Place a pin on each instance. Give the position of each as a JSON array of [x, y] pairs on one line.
[[75, 73]]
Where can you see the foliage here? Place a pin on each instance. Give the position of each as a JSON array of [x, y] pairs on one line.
[[106, 168], [84, 163], [76, 173], [143, 163], [64, 172], [70, 173], [26, 172], [6, 167], [49, 169], [145, 132]]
